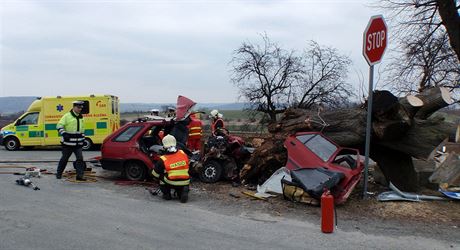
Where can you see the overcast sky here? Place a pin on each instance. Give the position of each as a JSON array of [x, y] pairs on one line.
[[152, 51]]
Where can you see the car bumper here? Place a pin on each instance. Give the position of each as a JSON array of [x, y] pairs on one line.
[[112, 164], [1, 139]]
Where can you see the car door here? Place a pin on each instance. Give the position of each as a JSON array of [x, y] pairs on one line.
[[28, 130]]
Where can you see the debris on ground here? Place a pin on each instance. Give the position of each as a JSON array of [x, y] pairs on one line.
[[234, 195], [273, 184], [253, 195], [448, 170], [452, 195], [293, 192], [398, 195]]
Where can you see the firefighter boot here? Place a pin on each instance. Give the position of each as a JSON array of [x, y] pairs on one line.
[[166, 192], [184, 194], [80, 178]]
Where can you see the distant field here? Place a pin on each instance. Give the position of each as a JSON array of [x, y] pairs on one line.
[[229, 115], [236, 120]]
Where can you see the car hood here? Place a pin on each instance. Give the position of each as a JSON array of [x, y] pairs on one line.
[[183, 107]]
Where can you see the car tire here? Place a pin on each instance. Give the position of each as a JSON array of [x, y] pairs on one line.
[[135, 171], [12, 144], [87, 144], [210, 172]]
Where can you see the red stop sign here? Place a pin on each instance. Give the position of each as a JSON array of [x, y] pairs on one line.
[[375, 40]]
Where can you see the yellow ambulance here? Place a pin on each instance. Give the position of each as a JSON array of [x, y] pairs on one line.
[[37, 126]]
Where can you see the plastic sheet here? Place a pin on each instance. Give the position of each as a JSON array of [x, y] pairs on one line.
[[273, 184], [452, 195]]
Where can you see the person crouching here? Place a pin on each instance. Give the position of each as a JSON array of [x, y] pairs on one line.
[[172, 170]]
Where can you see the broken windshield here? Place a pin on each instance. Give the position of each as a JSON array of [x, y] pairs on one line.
[[318, 145]]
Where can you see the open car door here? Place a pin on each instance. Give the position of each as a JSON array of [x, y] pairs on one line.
[[183, 107]]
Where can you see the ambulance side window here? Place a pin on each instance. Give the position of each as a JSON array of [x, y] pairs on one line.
[[85, 109], [113, 106], [29, 119]]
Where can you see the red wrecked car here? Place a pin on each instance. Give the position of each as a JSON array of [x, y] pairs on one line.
[[313, 150], [128, 150]]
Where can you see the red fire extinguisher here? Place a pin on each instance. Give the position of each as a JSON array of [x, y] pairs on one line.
[[327, 212]]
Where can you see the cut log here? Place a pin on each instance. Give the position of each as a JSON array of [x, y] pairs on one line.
[[448, 172], [411, 104], [433, 100]]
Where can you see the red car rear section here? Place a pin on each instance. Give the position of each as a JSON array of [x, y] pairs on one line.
[[314, 150]]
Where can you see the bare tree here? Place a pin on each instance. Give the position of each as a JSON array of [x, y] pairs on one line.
[[264, 74], [323, 78], [448, 10], [417, 14], [424, 63], [273, 79], [427, 42]]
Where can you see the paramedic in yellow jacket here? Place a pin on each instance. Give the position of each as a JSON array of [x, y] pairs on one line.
[[172, 170], [71, 129]]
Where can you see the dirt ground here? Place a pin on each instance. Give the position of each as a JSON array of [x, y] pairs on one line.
[[444, 213]]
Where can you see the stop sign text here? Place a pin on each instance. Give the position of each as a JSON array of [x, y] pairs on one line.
[[375, 40]]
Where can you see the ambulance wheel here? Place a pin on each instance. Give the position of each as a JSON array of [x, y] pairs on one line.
[[12, 144], [135, 171], [210, 172], [87, 144]]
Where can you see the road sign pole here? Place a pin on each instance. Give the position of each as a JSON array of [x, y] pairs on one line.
[[368, 128]]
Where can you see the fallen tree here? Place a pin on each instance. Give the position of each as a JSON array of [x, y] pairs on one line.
[[401, 129]]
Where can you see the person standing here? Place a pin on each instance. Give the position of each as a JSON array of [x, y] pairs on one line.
[[172, 170], [171, 112], [195, 133], [155, 112], [217, 123], [71, 129]]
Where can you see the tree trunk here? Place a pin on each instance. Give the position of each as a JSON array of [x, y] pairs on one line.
[[347, 126], [433, 100], [396, 136], [422, 138], [451, 20], [396, 166]]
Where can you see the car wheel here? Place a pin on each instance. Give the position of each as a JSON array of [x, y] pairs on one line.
[[12, 144], [135, 171], [87, 144], [210, 172]]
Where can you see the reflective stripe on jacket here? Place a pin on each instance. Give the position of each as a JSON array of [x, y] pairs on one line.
[[176, 167], [73, 126], [195, 129], [218, 123]]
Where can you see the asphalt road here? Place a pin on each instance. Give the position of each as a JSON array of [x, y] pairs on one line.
[[102, 215]]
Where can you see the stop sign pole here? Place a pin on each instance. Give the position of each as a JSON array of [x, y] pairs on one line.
[[374, 46]]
